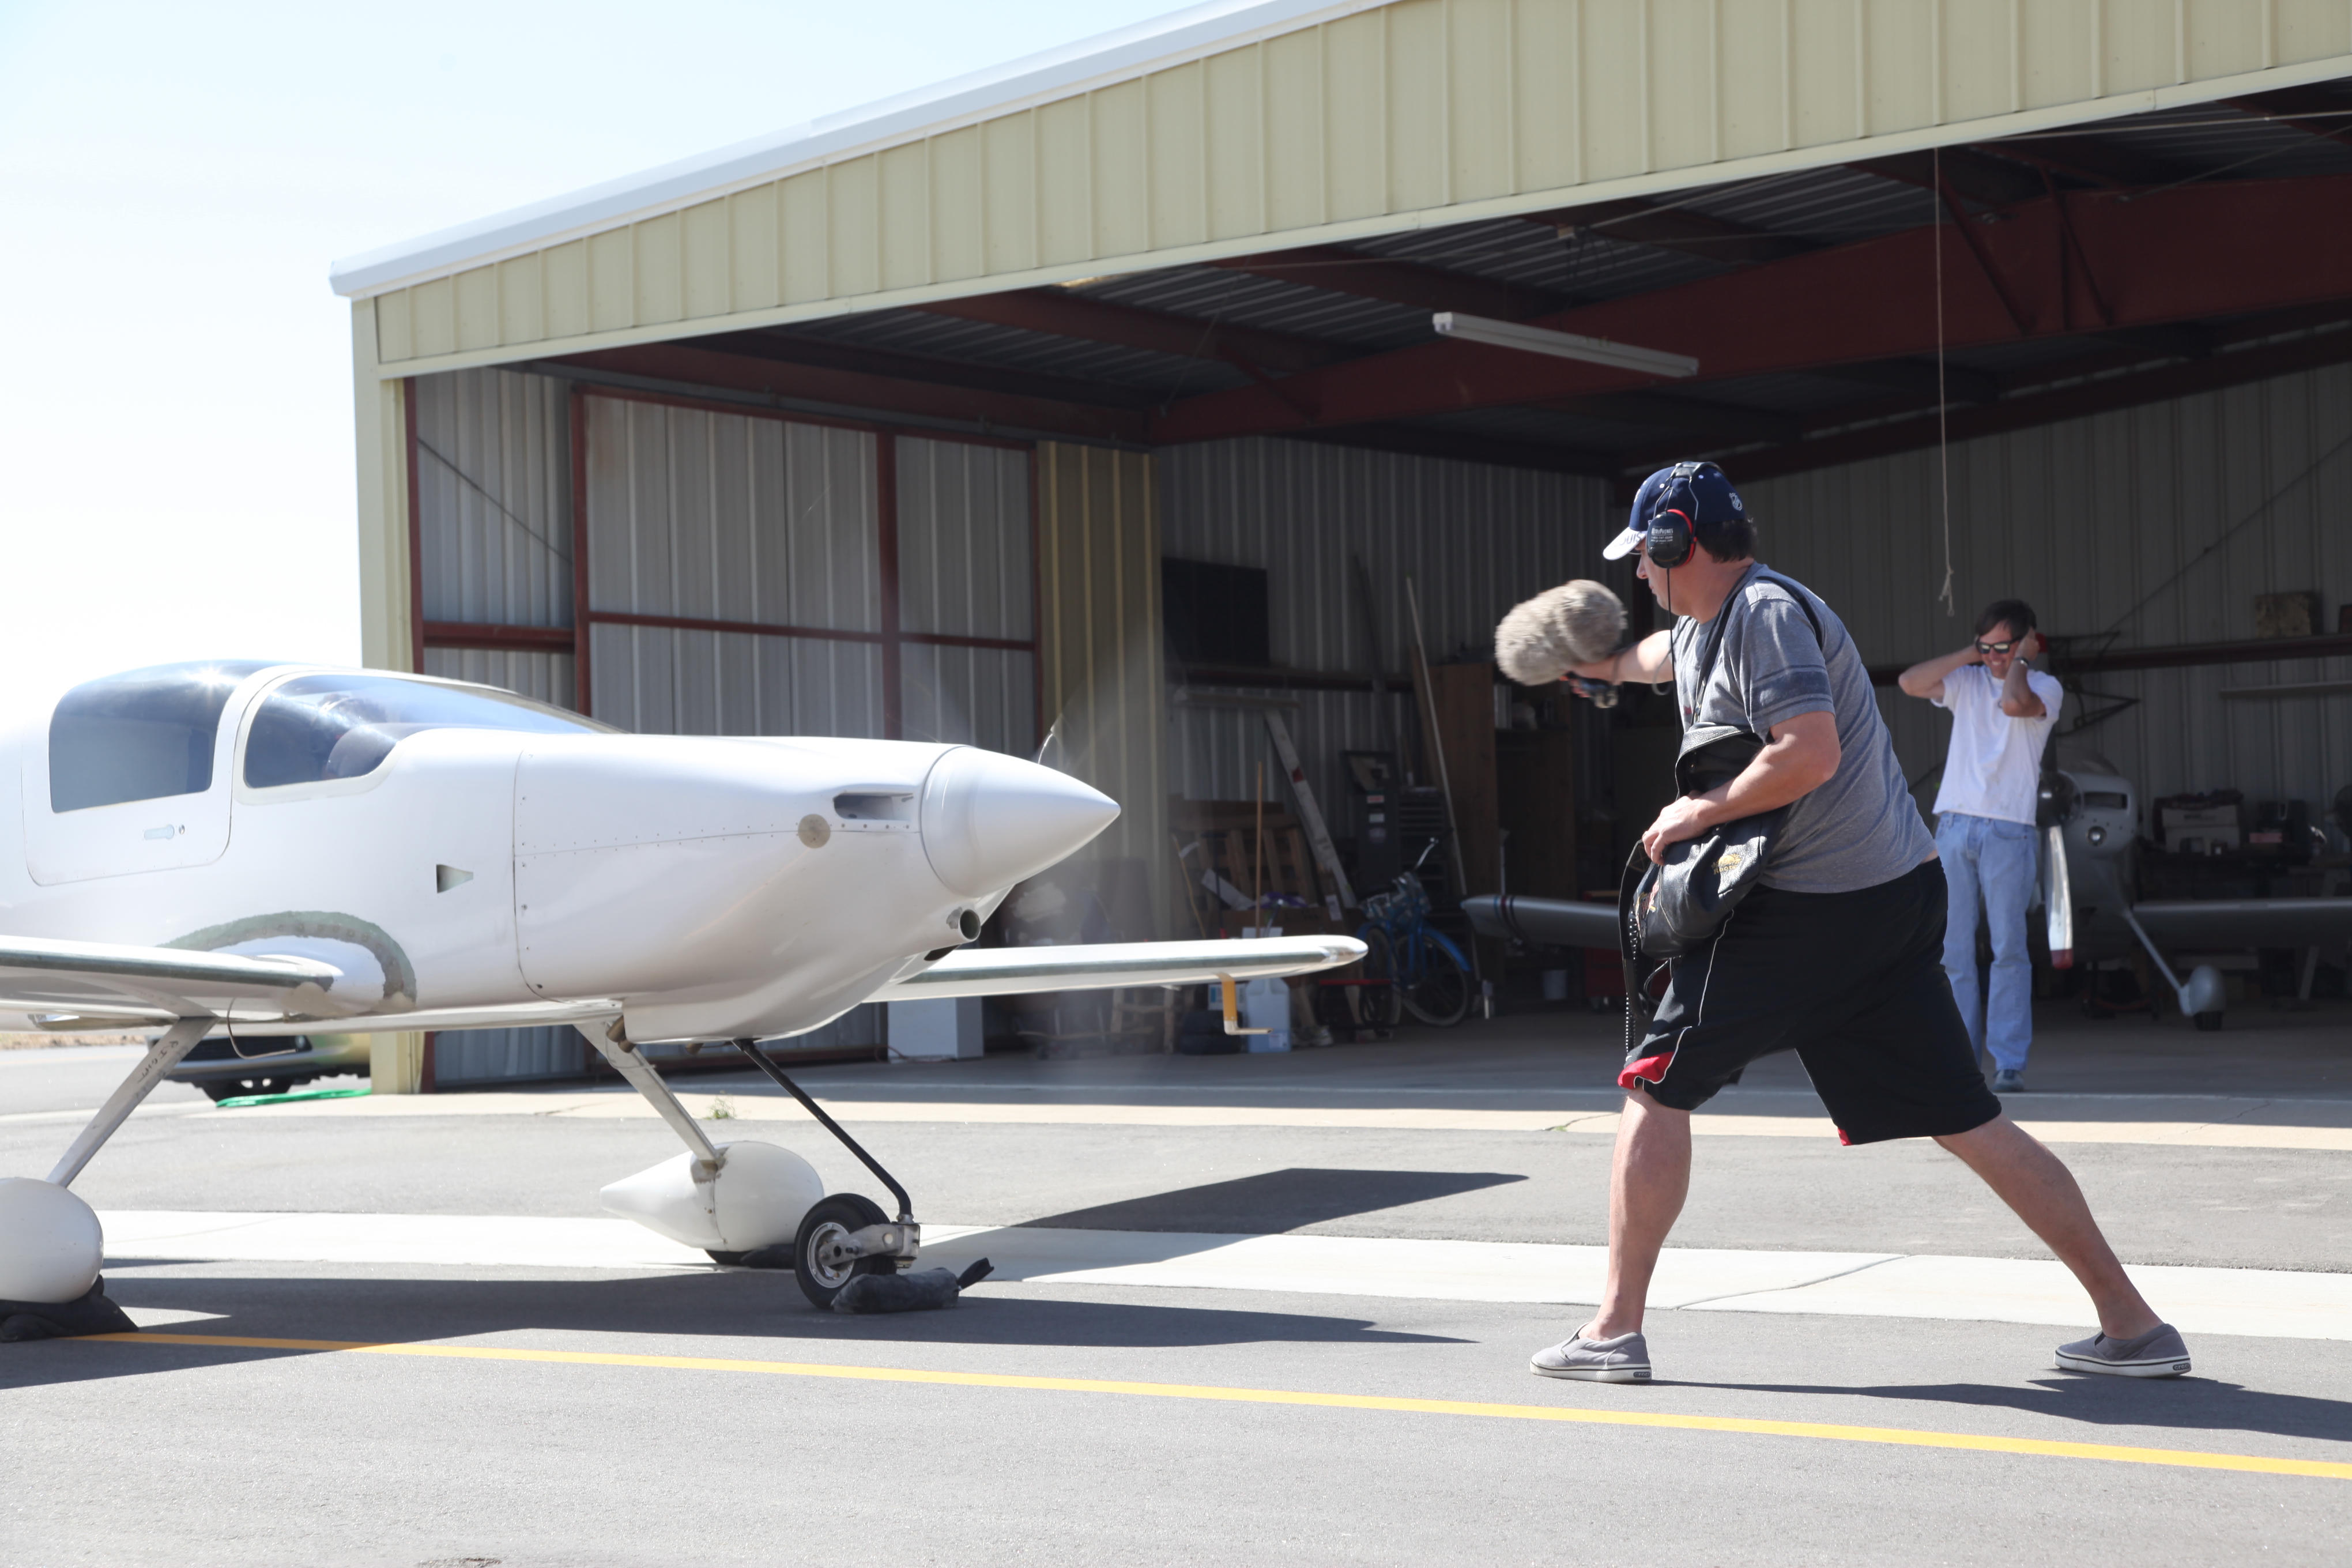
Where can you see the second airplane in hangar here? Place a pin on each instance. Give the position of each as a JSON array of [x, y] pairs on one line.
[[283, 849]]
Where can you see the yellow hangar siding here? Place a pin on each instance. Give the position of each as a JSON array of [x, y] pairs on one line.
[[1369, 120]]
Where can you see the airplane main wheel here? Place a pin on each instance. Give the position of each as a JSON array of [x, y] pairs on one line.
[[822, 1276]]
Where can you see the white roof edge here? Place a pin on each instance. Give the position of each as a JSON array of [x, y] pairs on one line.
[[1087, 64]]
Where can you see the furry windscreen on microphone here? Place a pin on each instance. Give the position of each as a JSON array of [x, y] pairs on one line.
[[1542, 639]]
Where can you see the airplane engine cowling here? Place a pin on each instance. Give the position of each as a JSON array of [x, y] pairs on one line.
[[50, 1243], [722, 887], [756, 1200]]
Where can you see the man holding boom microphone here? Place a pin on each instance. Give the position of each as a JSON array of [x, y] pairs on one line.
[[1836, 953]]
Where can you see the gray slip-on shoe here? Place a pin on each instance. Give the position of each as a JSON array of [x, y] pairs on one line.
[[1626, 1358], [2009, 1080], [2158, 1353]]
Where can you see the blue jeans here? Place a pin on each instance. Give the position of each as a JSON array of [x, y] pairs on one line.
[[1994, 860]]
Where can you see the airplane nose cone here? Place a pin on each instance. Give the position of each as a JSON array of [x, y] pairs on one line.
[[988, 820]]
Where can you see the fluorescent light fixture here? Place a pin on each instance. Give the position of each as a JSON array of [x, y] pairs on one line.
[[1562, 345]]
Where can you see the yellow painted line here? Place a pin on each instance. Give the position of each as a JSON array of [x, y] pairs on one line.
[[2184, 1458]]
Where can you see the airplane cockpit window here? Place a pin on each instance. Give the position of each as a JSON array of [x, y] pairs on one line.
[[141, 736], [321, 727]]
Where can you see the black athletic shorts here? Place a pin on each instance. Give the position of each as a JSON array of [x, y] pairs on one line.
[[1853, 982]]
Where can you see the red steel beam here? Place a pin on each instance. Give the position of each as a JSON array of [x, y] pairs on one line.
[[580, 594], [684, 363], [885, 531], [2175, 655], [2079, 384], [2188, 655], [476, 634], [417, 644], [2181, 254], [2099, 397]]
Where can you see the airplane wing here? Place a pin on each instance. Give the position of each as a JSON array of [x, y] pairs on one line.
[[1543, 922], [2247, 922], [52, 981], [1008, 971]]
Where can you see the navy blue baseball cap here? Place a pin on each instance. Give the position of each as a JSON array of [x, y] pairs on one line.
[[1698, 490]]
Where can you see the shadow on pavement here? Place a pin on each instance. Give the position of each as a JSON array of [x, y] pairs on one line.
[[762, 1315], [2190, 1403], [1272, 1202]]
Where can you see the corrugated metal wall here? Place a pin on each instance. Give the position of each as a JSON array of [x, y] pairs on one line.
[[543, 677], [464, 1057], [494, 498], [705, 515], [494, 515], [468, 1059], [2085, 521], [709, 516], [1101, 666], [964, 570], [1343, 128], [1477, 539]]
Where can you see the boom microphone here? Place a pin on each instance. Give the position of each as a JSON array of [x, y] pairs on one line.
[[1544, 639]]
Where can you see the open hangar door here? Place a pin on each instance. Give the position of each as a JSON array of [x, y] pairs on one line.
[[2119, 352], [2096, 361]]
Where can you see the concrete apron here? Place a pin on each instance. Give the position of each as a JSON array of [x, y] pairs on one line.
[[2270, 1303]]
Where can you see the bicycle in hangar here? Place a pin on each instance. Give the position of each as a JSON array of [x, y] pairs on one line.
[[1428, 976]]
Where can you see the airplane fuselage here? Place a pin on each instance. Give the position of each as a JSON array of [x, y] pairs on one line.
[[712, 888]]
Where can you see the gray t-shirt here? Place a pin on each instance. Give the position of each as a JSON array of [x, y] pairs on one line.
[[1861, 827]]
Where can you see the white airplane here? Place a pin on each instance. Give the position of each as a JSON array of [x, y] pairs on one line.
[[277, 849]]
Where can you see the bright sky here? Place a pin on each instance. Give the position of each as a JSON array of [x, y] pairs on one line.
[[175, 421]]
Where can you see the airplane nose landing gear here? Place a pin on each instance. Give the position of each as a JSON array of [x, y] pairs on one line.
[[845, 1235], [740, 1202]]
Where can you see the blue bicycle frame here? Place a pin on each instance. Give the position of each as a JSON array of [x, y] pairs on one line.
[[1403, 914]]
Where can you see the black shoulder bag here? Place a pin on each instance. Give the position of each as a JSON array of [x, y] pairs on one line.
[[1665, 910]]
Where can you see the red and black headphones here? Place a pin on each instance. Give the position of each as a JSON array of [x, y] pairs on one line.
[[1672, 534]]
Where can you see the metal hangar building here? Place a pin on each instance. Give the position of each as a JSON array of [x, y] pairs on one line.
[[884, 424]]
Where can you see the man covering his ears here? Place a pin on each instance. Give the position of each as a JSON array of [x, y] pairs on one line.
[[2003, 713], [1837, 954]]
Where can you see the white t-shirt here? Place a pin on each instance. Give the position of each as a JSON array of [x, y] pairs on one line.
[[1994, 767]]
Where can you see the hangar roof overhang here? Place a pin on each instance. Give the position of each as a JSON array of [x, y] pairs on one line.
[[1845, 294]]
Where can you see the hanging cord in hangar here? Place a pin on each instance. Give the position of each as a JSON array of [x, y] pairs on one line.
[[1200, 350], [1943, 405]]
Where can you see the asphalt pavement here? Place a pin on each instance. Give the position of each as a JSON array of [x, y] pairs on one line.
[[553, 1414], [76, 1078]]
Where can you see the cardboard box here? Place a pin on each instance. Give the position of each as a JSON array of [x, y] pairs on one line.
[[2286, 615]]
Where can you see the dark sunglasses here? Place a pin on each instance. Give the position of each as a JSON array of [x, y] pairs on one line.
[[1999, 646]]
